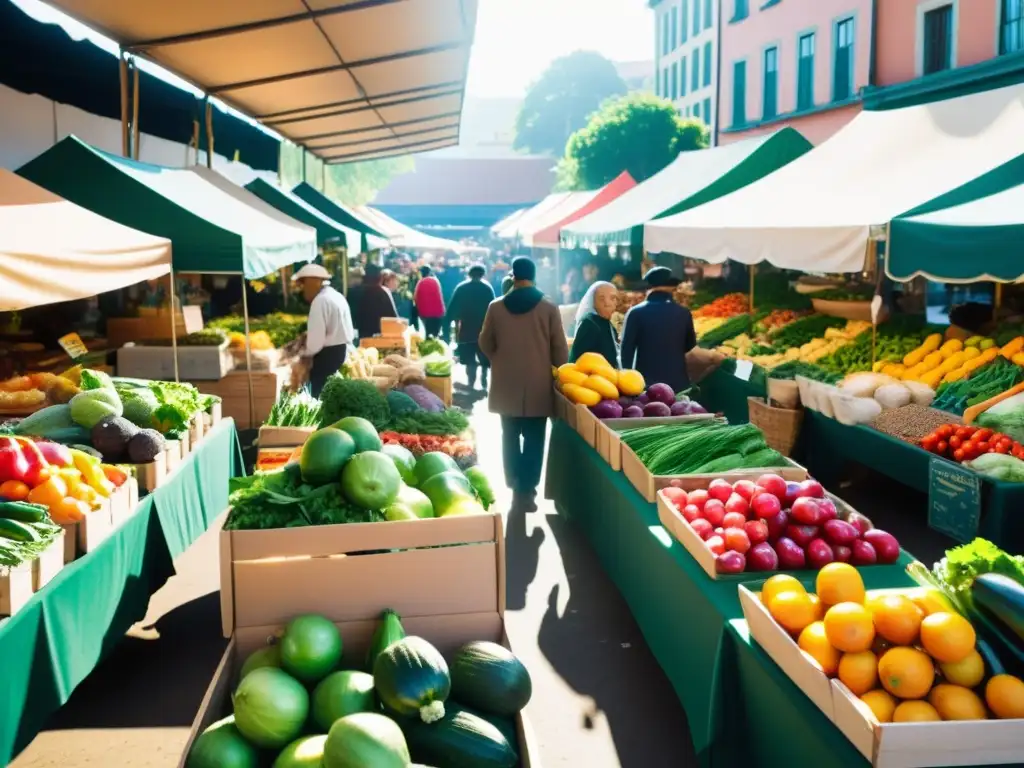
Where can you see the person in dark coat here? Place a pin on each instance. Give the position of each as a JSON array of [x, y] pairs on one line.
[[374, 303], [467, 310], [594, 332], [658, 333]]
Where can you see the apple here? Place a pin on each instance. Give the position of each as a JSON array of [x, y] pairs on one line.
[[744, 488], [690, 513], [791, 555], [777, 524], [757, 531], [716, 544], [737, 540], [675, 496], [827, 508], [811, 488], [805, 511], [802, 534], [762, 557], [714, 511], [720, 489], [733, 520], [885, 545], [698, 498], [838, 532], [862, 553], [766, 505], [774, 484], [737, 503], [842, 553], [730, 562], [792, 494], [819, 554], [702, 528]]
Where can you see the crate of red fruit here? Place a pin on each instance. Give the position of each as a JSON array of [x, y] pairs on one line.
[[769, 524]]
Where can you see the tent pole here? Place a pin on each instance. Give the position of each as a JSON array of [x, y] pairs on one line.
[[174, 328], [248, 355], [135, 111], [123, 69], [209, 141], [558, 270], [998, 299], [752, 269]]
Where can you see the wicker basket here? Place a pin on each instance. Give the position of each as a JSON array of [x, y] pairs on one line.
[[785, 393], [781, 426]]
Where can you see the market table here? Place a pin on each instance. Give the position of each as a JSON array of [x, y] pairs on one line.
[[1001, 518], [723, 391], [60, 636], [685, 618]]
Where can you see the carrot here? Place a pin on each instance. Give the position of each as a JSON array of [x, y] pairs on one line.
[[974, 411]]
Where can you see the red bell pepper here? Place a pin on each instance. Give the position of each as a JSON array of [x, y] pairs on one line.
[[13, 463], [56, 455], [38, 467]]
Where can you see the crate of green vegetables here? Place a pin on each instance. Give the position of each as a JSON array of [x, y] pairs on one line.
[[292, 419], [694, 454]]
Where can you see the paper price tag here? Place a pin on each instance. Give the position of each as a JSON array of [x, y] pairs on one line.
[[743, 370], [876, 309], [73, 345]]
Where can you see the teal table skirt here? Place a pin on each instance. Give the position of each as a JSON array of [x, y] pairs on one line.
[[722, 391], [685, 616], [50, 646], [826, 447]]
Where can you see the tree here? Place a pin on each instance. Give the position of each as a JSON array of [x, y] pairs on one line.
[[351, 183], [562, 100], [639, 133]]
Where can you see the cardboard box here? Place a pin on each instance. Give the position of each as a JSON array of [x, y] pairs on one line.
[[440, 386], [48, 564], [283, 437], [93, 529], [648, 485], [266, 575], [390, 327], [233, 390], [608, 433], [122, 505], [18, 584], [565, 409], [194, 362], [197, 429], [152, 475]]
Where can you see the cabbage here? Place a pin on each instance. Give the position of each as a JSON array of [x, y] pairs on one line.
[[271, 707], [91, 407]]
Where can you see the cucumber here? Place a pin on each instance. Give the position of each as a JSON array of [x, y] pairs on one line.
[[1002, 598], [388, 631], [411, 678], [460, 740], [488, 677], [23, 511], [18, 531]]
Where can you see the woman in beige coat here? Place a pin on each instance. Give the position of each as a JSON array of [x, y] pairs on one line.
[[522, 336]]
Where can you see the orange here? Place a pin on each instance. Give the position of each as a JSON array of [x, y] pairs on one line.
[[954, 702], [881, 704], [49, 492], [14, 490], [915, 712], [849, 627], [1005, 696], [968, 672], [859, 672], [929, 600], [839, 583], [68, 511], [819, 608], [793, 610], [948, 637], [815, 644], [906, 672], [896, 619], [777, 584]]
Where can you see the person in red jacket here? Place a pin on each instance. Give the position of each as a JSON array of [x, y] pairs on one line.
[[429, 302]]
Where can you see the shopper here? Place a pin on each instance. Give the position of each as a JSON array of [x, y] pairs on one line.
[[658, 333], [593, 330], [523, 338], [329, 329], [429, 302], [467, 310], [374, 303]]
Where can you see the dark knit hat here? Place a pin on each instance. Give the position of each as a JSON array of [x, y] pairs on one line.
[[523, 268]]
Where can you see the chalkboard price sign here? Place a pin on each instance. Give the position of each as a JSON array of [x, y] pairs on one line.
[[954, 500]]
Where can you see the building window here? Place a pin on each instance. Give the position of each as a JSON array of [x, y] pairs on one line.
[[739, 93], [842, 65], [937, 49], [675, 81], [695, 74], [805, 72], [665, 34], [707, 111], [674, 26], [696, 111], [770, 101], [709, 16], [664, 84], [707, 64], [740, 10], [696, 17], [682, 76], [1011, 36], [684, 19]]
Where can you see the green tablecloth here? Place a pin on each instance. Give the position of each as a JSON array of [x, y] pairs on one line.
[[826, 446], [682, 613], [722, 391], [55, 641]]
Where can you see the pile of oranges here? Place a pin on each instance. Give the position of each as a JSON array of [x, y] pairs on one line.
[[909, 657]]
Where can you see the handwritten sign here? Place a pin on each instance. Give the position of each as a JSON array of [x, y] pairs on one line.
[[73, 345], [743, 370], [954, 500]]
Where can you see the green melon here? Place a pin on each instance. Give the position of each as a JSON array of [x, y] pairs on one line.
[[307, 752], [269, 656], [366, 739], [341, 694], [310, 648], [371, 481], [361, 431], [222, 746], [433, 463], [324, 454], [405, 462], [447, 490], [411, 504]]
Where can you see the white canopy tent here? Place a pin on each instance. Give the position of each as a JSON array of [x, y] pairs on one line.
[[816, 213], [524, 222], [404, 237]]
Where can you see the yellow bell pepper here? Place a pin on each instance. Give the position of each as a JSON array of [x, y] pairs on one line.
[[92, 472], [1012, 348]]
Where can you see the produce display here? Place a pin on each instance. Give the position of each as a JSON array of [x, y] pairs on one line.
[[894, 339], [406, 703], [26, 529], [770, 524], [963, 443], [207, 337], [793, 368], [344, 473], [909, 656], [701, 448], [910, 422], [394, 370], [24, 394], [980, 384], [281, 328], [806, 339], [615, 394], [724, 307], [294, 409], [459, 447]]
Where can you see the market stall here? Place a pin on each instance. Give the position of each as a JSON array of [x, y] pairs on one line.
[[371, 237], [513, 227], [328, 231], [406, 238]]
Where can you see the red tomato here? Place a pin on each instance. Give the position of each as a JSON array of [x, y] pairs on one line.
[[962, 432], [928, 442], [944, 431], [981, 447], [1001, 448], [941, 447], [955, 441], [959, 454], [983, 434]]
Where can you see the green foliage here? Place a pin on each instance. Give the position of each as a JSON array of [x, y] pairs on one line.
[[639, 133], [351, 183], [562, 100]]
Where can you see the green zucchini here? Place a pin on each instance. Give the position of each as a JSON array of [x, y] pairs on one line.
[[1003, 599], [388, 631], [460, 740], [411, 678], [488, 677], [993, 664], [18, 531], [23, 511], [1007, 649]]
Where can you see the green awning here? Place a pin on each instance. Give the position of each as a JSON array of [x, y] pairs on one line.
[[211, 229], [973, 233], [338, 213], [692, 179], [327, 229]]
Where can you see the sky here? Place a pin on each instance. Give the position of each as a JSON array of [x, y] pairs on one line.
[[516, 40]]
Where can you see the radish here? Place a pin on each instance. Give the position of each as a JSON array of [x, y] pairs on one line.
[[774, 484], [736, 503], [827, 508], [777, 524], [842, 553], [737, 540], [862, 553], [730, 562], [702, 528], [805, 511], [792, 494], [791, 555], [766, 505], [698, 498], [757, 531], [716, 544], [733, 519], [819, 554], [812, 489], [838, 532], [675, 496], [762, 557], [885, 545], [714, 511], [802, 534], [720, 489], [860, 522], [690, 513], [744, 488]]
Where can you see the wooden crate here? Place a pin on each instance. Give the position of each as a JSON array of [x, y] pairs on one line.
[[233, 390], [17, 585], [608, 433], [440, 386]]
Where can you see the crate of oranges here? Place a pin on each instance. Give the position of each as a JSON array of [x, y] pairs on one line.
[[898, 671]]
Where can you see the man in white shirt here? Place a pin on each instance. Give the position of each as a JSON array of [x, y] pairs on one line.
[[329, 330]]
